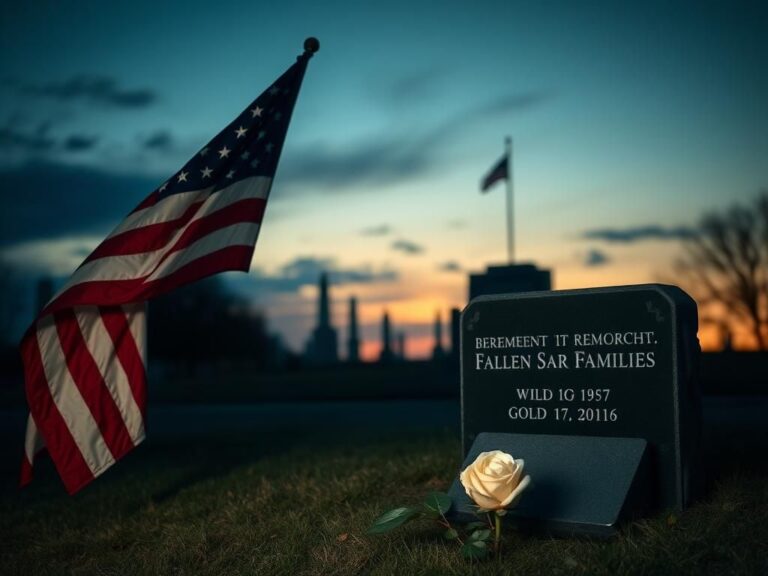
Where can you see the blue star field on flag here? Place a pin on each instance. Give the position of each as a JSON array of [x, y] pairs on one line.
[[250, 145]]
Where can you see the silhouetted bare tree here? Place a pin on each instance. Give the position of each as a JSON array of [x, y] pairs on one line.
[[10, 302], [205, 323], [11, 306], [728, 262]]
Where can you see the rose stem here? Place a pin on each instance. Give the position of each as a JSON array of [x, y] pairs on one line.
[[447, 524], [498, 534]]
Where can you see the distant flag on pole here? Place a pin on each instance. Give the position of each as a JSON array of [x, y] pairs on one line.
[[500, 171], [84, 355]]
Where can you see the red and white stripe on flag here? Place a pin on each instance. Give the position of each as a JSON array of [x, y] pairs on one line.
[[84, 364], [84, 356], [86, 385]]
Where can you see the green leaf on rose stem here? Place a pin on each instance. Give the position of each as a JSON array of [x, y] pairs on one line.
[[450, 534], [480, 535], [475, 525], [392, 519], [474, 550], [438, 503]]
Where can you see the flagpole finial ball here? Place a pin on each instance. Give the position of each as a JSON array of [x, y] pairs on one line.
[[311, 45]]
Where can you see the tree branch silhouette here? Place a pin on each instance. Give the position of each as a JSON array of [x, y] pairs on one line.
[[726, 263]]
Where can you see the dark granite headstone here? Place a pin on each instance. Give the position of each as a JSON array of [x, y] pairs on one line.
[[580, 484], [615, 362]]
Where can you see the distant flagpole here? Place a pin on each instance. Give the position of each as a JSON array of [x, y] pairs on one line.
[[510, 203], [502, 170]]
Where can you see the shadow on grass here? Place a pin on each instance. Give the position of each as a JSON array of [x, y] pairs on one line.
[[277, 500], [180, 461], [216, 457], [739, 448]]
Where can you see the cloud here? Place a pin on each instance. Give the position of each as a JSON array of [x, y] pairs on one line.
[[16, 138], [457, 224], [450, 266], [386, 160], [425, 84], [512, 102], [595, 258], [12, 138], [413, 86], [407, 247], [380, 230], [457, 123], [91, 88], [57, 257], [639, 234], [80, 143], [55, 200], [374, 161], [160, 140], [306, 271]]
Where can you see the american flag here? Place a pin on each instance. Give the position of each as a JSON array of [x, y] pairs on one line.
[[85, 354], [500, 171]]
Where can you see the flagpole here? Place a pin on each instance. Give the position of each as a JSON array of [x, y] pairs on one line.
[[510, 204]]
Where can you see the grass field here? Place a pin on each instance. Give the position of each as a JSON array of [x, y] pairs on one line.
[[220, 507]]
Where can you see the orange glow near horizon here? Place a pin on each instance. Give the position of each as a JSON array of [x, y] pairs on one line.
[[421, 312], [413, 304], [416, 348], [421, 347]]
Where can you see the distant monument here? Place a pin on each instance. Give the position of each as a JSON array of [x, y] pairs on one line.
[[726, 337], [386, 341], [277, 357], [353, 342], [322, 348], [508, 279], [455, 332], [401, 345], [438, 353]]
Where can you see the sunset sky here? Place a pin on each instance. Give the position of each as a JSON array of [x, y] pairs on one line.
[[629, 123]]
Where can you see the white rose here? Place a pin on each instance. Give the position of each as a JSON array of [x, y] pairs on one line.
[[494, 481]]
